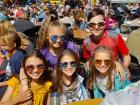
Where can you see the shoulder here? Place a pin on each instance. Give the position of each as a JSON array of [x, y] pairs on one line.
[[87, 39], [69, 43], [19, 54], [13, 81], [48, 85], [80, 78], [44, 51]]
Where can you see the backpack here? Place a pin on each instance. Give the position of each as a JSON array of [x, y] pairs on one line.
[[110, 33]]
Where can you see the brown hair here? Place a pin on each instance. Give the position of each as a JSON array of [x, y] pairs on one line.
[[11, 38], [46, 76], [94, 13], [94, 72], [45, 29], [58, 82]]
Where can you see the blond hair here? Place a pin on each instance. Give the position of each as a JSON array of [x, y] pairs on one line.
[[94, 72], [6, 26], [45, 29], [11, 38]]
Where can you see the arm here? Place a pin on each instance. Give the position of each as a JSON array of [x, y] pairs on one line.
[[86, 53], [126, 60], [24, 84], [123, 50], [22, 97], [119, 69], [48, 99], [7, 95], [3, 83]]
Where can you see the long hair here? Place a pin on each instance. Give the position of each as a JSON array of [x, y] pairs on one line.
[[46, 76], [58, 82], [45, 29], [94, 72]]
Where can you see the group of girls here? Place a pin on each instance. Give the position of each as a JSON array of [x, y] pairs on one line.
[[35, 83]]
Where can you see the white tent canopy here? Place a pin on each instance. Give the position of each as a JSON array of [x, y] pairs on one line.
[[125, 1]]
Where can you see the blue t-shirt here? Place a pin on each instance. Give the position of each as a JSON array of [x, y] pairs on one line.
[[15, 61], [52, 59]]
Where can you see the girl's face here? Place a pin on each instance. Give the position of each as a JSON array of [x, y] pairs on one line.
[[34, 67], [102, 61], [56, 37], [68, 65]]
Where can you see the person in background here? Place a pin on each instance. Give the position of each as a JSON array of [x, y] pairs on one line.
[[80, 22], [10, 44], [6, 26], [111, 23]]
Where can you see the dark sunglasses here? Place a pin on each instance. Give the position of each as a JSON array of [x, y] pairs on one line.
[[54, 38], [65, 64], [107, 62], [93, 25], [32, 67]]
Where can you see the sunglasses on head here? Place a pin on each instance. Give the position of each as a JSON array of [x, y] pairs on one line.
[[98, 62], [54, 38], [99, 24], [65, 64], [32, 67]]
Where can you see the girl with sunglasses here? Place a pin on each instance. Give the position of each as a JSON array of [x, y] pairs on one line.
[[102, 37], [103, 78], [51, 42], [68, 83], [39, 82]]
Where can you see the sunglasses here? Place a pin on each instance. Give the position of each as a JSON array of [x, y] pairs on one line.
[[54, 38], [65, 64], [93, 25], [32, 67], [107, 62]]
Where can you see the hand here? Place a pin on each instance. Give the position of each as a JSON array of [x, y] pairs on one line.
[[24, 96], [24, 89], [128, 73], [119, 69]]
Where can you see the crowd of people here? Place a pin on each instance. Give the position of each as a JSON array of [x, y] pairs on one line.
[[40, 56]]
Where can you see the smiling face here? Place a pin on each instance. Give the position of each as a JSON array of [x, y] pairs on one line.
[[102, 61], [7, 47], [97, 25], [34, 67], [68, 65], [56, 36]]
